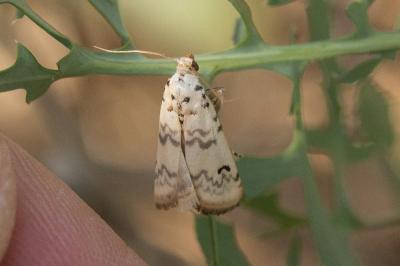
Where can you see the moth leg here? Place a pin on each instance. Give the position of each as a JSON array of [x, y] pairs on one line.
[[216, 97], [237, 155]]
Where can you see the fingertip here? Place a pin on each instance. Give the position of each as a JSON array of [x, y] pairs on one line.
[[7, 198], [54, 226]]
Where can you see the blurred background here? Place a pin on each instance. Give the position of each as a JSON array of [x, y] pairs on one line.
[[99, 133]]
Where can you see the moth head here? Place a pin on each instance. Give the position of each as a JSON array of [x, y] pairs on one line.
[[187, 64]]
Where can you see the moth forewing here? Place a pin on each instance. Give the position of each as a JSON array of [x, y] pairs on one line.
[[172, 186], [210, 161], [168, 153]]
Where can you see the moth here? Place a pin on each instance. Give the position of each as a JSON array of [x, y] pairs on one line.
[[195, 168]]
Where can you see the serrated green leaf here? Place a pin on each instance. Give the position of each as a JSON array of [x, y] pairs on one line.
[[279, 2], [28, 74], [357, 11], [374, 116], [253, 37], [109, 9], [294, 254], [218, 242], [361, 71], [268, 205], [24, 8]]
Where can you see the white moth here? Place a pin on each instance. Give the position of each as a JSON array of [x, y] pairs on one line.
[[195, 168]]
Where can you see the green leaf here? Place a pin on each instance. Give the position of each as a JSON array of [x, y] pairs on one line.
[[109, 9], [263, 174], [318, 19], [28, 74], [218, 242], [331, 241], [294, 254], [253, 37], [279, 2], [361, 71], [268, 205], [357, 11], [374, 116], [24, 8]]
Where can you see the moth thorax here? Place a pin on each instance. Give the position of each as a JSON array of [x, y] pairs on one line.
[[187, 65]]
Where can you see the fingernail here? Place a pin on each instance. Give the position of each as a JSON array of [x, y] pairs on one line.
[[7, 197]]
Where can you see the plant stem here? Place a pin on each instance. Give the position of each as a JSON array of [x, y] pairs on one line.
[[235, 59], [214, 244]]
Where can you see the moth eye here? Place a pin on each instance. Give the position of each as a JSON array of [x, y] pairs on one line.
[[172, 97], [186, 99]]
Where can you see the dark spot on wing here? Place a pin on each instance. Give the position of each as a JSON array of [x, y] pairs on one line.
[[198, 88], [186, 100], [168, 82], [224, 167], [172, 97]]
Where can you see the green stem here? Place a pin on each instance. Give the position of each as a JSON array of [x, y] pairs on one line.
[[214, 244], [91, 62]]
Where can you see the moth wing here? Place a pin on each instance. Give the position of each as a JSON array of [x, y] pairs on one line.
[[172, 183], [210, 161]]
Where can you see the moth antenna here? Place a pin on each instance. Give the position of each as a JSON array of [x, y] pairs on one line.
[[231, 100], [134, 52]]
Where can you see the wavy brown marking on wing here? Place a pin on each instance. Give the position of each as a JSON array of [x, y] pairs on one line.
[[162, 181], [165, 126], [163, 139], [213, 191], [163, 169], [203, 133], [203, 145], [210, 179]]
